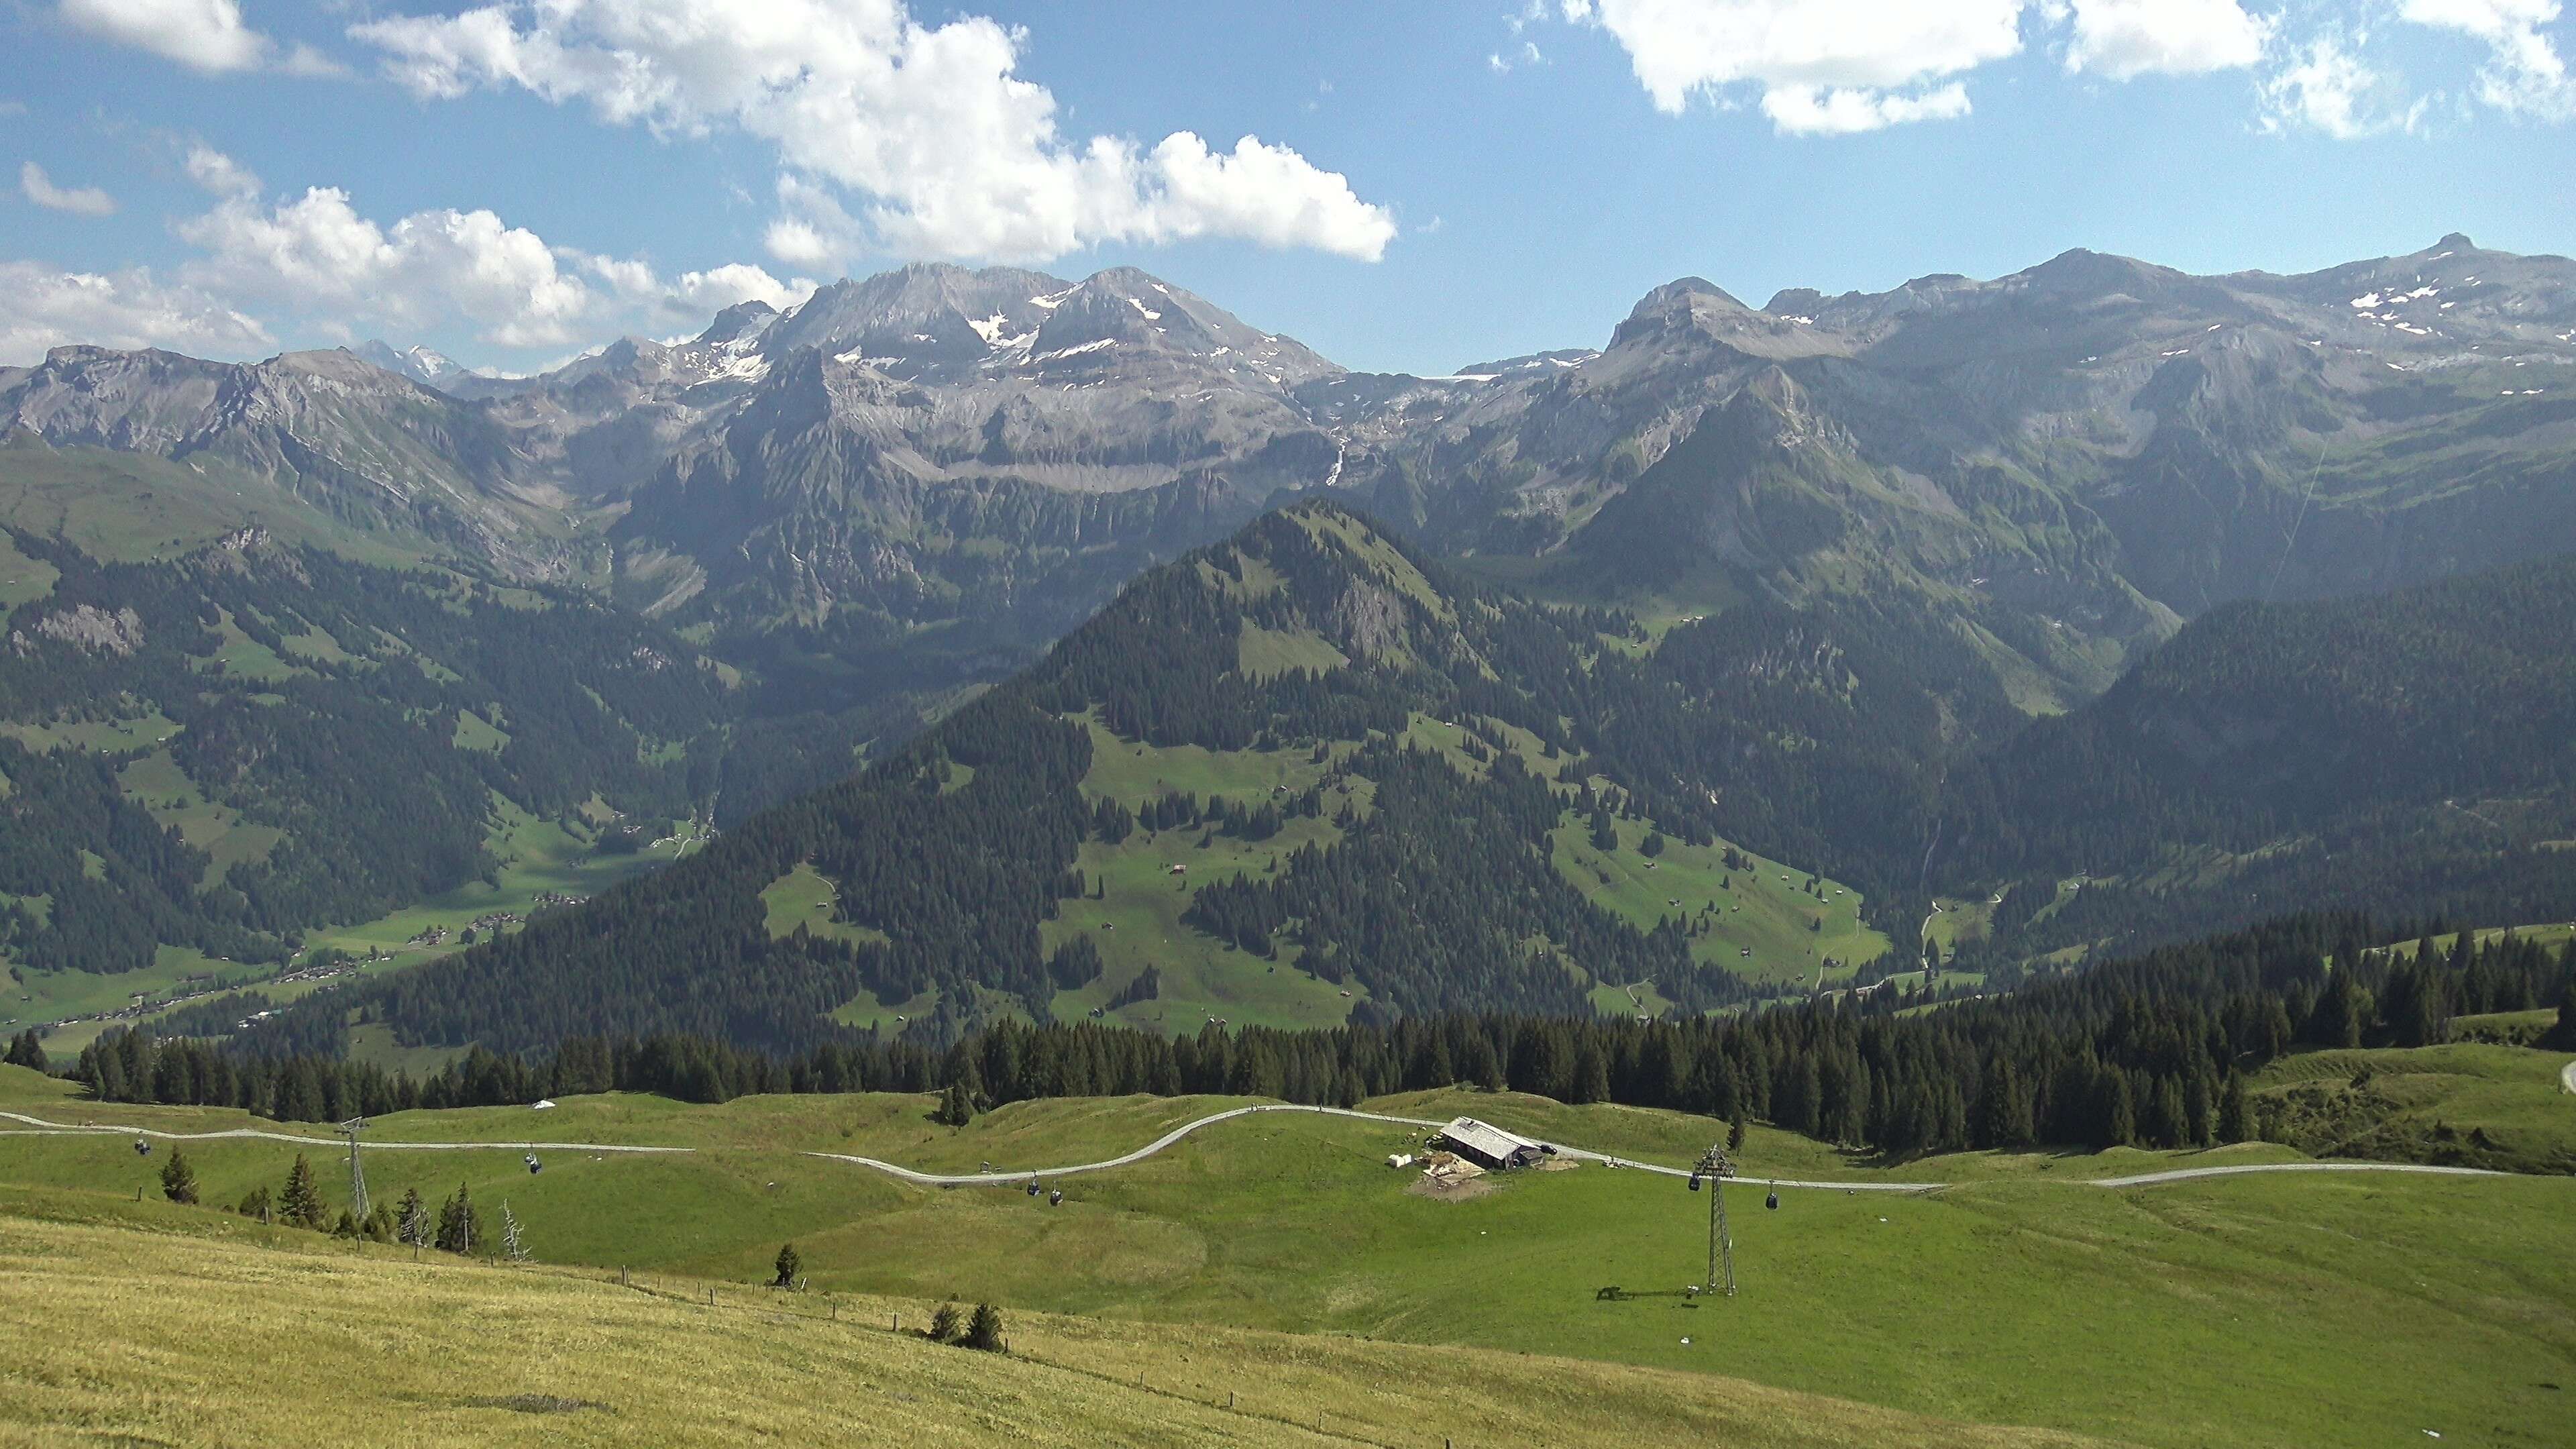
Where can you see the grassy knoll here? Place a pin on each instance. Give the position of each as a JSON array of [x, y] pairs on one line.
[[2291, 1309], [805, 897], [23, 579], [156, 782], [2471, 1104], [1756, 909], [447, 1353], [1136, 922]]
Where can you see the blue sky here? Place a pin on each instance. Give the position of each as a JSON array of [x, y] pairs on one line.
[[1431, 184]]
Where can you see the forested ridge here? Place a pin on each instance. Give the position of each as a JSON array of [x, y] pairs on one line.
[[2416, 748], [959, 846], [365, 718], [1788, 730]]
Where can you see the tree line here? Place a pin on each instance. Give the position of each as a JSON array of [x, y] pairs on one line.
[[2154, 1050]]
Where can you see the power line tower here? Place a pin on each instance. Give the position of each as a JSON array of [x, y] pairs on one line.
[[357, 1175], [1715, 1166]]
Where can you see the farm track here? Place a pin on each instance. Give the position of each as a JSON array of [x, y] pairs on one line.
[[2148, 1179], [39, 1127]]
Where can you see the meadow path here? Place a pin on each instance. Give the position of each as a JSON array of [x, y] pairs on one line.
[[39, 1127], [2147, 1179]]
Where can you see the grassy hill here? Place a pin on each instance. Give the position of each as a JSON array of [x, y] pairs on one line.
[[2349, 1307], [506, 1356], [2466, 1103]]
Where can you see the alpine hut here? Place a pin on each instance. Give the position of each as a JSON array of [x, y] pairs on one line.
[[1487, 1146]]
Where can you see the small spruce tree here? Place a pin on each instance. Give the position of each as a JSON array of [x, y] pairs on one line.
[[178, 1179], [945, 1323], [788, 1263], [256, 1204], [301, 1204], [1735, 1132], [412, 1222], [459, 1229], [984, 1330]]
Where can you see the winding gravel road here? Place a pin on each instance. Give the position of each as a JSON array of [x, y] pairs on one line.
[[39, 1127], [2148, 1179]]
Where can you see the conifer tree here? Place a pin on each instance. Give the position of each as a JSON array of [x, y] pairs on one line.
[[945, 1322], [300, 1205], [178, 1179], [459, 1227], [412, 1225], [2235, 1113], [1735, 1132], [984, 1329], [788, 1264], [2119, 1113]]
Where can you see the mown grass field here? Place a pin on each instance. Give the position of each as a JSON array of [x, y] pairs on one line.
[[159, 1321], [2279, 1309]]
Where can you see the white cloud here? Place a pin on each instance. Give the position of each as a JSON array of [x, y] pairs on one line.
[[2524, 74], [206, 35], [316, 259], [2125, 39], [78, 200], [938, 145], [316, 255], [705, 293], [1829, 67], [1841, 111], [219, 173], [42, 307], [1821, 65], [2328, 87], [203, 35]]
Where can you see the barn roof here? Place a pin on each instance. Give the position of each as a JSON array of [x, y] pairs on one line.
[[1482, 1139]]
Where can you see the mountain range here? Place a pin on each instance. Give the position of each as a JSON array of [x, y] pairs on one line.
[[1859, 542]]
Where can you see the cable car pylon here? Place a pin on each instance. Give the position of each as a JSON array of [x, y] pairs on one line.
[[1715, 1166]]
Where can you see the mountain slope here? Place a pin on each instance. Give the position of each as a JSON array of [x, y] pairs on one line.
[[1266, 761], [223, 751], [2411, 747]]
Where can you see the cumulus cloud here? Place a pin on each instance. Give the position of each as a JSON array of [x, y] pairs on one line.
[[43, 307], [2327, 87], [219, 173], [2524, 74], [205, 35], [316, 255], [78, 200], [1826, 66], [315, 258], [924, 138], [2125, 39]]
